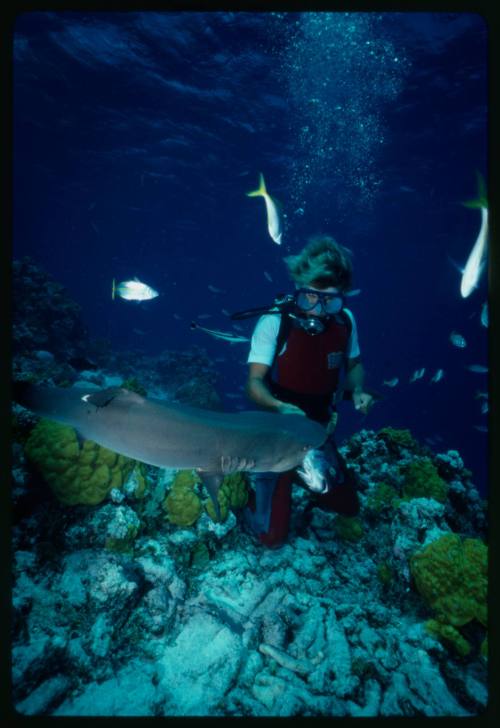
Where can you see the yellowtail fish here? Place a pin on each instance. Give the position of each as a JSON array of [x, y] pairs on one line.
[[224, 335], [438, 376], [457, 340], [133, 290], [477, 257], [391, 382], [273, 216]]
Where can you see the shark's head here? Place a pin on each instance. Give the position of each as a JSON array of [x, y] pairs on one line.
[[296, 439]]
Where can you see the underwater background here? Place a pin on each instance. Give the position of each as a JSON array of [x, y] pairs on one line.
[[136, 138]]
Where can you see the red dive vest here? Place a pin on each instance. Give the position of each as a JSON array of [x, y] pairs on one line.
[[311, 364]]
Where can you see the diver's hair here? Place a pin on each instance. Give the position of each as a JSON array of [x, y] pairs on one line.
[[322, 263]]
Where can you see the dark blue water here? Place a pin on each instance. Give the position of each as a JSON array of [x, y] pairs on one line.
[[137, 136]]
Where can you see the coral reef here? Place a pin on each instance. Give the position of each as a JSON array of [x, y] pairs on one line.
[[451, 575], [77, 474], [335, 623], [182, 504], [421, 480]]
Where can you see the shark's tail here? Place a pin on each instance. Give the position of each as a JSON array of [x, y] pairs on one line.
[[261, 191]]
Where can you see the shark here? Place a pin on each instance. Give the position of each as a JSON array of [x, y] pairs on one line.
[[172, 435]]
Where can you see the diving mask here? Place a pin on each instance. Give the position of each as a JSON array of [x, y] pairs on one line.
[[309, 299]]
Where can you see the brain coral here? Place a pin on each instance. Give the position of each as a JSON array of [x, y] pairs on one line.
[[78, 475], [182, 504], [451, 575]]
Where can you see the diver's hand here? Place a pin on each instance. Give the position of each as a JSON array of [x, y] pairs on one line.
[[332, 424], [362, 401], [285, 408]]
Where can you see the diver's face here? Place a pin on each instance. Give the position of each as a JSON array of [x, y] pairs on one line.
[[315, 301]]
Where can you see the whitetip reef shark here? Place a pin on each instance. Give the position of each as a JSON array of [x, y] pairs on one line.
[[171, 435]]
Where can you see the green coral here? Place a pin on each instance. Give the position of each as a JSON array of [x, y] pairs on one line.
[[382, 498], [396, 439], [421, 480], [451, 575], [125, 544], [348, 528], [182, 504], [78, 475], [133, 385]]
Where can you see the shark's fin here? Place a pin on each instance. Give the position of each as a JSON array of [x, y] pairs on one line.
[[212, 482], [103, 397]]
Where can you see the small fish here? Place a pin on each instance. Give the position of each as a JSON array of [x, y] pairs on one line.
[[481, 395], [417, 374], [226, 313], [438, 376], [95, 229], [177, 317], [484, 408], [238, 327], [481, 428], [204, 315], [214, 289], [273, 216], [266, 275], [224, 335], [478, 368], [484, 314], [133, 291], [140, 332], [391, 382], [314, 471], [458, 340], [354, 292], [477, 257]]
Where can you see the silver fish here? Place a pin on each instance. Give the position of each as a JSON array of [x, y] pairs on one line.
[[133, 290], [478, 368], [484, 408], [477, 257], [458, 340], [224, 335], [417, 374], [481, 428], [391, 382], [313, 471], [354, 292], [438, 376], [266, 275], [214, 289]]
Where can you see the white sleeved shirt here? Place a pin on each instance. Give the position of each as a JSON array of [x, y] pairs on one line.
[[265, 335]]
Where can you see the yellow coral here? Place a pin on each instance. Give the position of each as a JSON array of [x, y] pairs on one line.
[[77, 475], [182, 504], [451, 575]]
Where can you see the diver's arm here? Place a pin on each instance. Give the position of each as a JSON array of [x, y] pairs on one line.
[[355, 375], [258, 391]]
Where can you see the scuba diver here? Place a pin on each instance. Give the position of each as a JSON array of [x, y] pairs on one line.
[[298, 349]]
